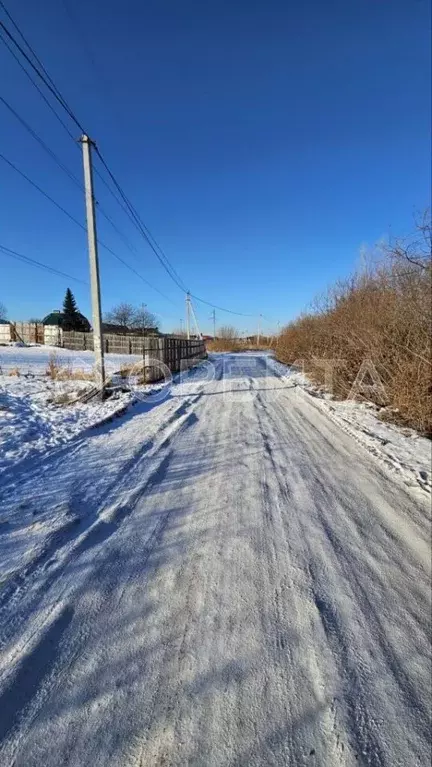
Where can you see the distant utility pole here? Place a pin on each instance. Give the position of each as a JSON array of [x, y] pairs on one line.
[[199, 334], [181, 326], [187, 315], [213, 316], [87, 144], [259, 329]]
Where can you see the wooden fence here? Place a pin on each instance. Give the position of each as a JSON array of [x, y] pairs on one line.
[[28, 332], [175, 353]]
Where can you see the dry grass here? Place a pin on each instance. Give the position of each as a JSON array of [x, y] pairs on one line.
[[14, 372], [68, 374], [223, 345], [58, 371], [383, 316]]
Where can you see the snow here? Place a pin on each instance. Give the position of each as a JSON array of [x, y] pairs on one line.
[[30, 421], [224, 576], [401, 450], [34, 360]]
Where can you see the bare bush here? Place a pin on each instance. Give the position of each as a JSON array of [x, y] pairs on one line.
[[224, 345], [382, 315], [227, 332]]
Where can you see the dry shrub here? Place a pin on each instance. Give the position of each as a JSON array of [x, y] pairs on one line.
[[68, 374], [58, 371], [383, 316], [224, 345], [54, 366], [14, 372]]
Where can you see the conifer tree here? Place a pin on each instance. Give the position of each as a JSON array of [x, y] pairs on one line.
[[71, 316]]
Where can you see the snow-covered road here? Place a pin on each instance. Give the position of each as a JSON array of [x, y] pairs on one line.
[[229, 579]]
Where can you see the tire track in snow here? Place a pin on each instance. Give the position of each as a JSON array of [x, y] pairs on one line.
[[330, 736], [28, 645], [221, 624]]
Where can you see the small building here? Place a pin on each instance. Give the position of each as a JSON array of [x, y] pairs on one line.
[[53, 327], [5, 332]]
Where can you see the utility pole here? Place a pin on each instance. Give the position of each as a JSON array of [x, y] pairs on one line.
[[214, 324], [188, 316], [259, 329], [199, 334], [143, 329], [87, 144], [181, 325]]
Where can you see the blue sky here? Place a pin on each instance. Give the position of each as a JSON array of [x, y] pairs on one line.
[[262, 143]]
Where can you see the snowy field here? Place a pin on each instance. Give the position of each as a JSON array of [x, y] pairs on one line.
[[30, 423], [35, 360], [228, 577]]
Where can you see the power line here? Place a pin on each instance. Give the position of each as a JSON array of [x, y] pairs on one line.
[[26, 42], [69, 215], [36, 186], [40, 141], [134, 271], [34, 262], [46, 79], [220, 308], [54, 157], [135, 218], [41, 93], [49, 83], [100, 75], [131, 211]]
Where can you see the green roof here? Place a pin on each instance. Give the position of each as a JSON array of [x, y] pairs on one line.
[[55, 318]]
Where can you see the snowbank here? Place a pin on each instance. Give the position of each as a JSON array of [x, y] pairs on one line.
[[401, 450]]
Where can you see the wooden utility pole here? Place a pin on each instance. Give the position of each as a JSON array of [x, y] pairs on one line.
[[87, 144]]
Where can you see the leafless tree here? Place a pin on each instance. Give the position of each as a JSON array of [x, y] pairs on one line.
[[3, 311], [128, 316], [143, 319], [122, 315], [227, 332], [417, 248]]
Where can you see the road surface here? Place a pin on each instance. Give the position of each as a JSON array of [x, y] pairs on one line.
[[239, 584]]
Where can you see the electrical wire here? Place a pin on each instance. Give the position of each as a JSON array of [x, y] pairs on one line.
[[40, 141], [220, 308], [56, 93], [46, 79], [63, 168], [72, 218], [36, 186], [131, 211], [135, 218], [40, 91], [20, 257]]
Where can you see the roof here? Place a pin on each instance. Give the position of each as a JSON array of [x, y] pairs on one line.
[[55, 318]]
